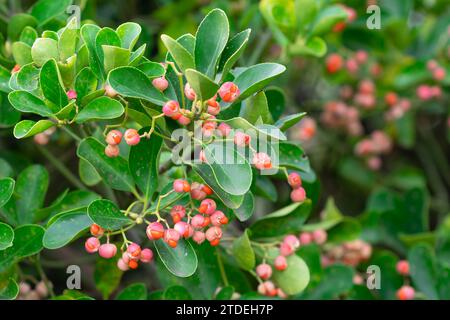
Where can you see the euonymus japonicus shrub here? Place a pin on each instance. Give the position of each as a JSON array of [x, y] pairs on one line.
[[181, 149]]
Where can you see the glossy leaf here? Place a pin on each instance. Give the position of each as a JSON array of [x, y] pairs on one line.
[[45, 10], [107, 215], [28, 77], [256, 109], [177, 293], [103, 108], [233, 51], [135, 291], [89, 33], [68, 40], [28, 103], [44, 49], [85, 83], [6, 190], [289, 121], [181, 56], [29, 128], [336, 280], [21, 53], [6, 236], [203, 86], [295, 278], [17, 24], [180, 261], [115, 57], [128, 33], [65, 228], [243, 252], [424, 270], [10, 291], [293, 157], [247, 208], [107, 276], [88, 174]]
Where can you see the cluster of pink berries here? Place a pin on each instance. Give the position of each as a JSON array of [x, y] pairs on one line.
[[39, 292], [398, 109], [365, 97], [405, 292], [114, 137], [379, 143], [335, 62], [350, 253], [130, 258], [206, 225], [425, 92], [306, 129], [338, 115], [298, 194]]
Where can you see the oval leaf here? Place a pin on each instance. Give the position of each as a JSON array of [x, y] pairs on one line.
[[103, 108], [29, 128], [107, 215], [6, 236], [180, 261]]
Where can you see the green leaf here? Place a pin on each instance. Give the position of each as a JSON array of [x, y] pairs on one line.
[[115, 57], [45, 10], [314, 46], [243, 252], [88, 174], [264, 187], [17, 24], [143, 161], [27, 242], [177, 293], [28, 77], [180, 261], [6, 236], [44, 49], [327, 19], [256, 109], [181, 56], [28, 35], [8, 114], [289, 219], [114, 171], [103, 108], [85, 83], [51, 84], [225, 294], [246, 209], [210, 40], [135, 291], [136, 56], [89, 33], [203, 86], [265, 131], [331, 217], [6, 190], [348, 229], [336, 280], [128, 33], [292, 156], [107, 215], [65, 228], [255, 78], [294, 278], [151, 69], [107, 276], [169, 199], [29, 128], [233, 51], [423, 270], [289, 121], [68, 40], [10, 291], [133, 83], [21, 53], [28, 103]]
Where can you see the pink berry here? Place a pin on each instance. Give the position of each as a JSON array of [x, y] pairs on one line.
[[280, 263], [361, 56], [305, 238], [183, 120], [122, 265], [71, 94], [112, 151], [160, 83], [298, 195], [96, 230], [391, 98], [281, 294], [125, 257], [264, 271], [286, 249], [107, 250], [171, 108], [92, 244], [178, 212], [424, 92], [198, 221], [171, 237], [199, 237], [262, 161], [439, 74], [432, 65], [241, 139], [208, 128], [146, 255], [183, 228], [114, 137], [224, 129], [213, 235], [207, 206], [134, 251], [189, 92], [110, 92], [334, 63], [132, 137], [229, 92], [197, 191], [155, 231], [352, 66], [403, 267], [405, 293], [294, 180], [319, 236], [181, 185], [213, 107], [267, 288], [41, 139], [292, 241], [218, 218]]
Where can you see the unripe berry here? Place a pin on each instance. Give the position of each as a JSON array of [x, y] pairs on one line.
[[160, 83], [294, 180], [218, 218], [113, 137], [96, 230], [183, 120], [155, 231], [298, 195], [267, 288], [229, 92], [122, 265], [107, 250], [241, 139], [178, 212], [286, 249], [189, 92], [171, 108], [262, 161], [319, 236], [334, 63], [181, 185], [112, 151], [406, 293], [199, 237], [171, 237], [213, 235], [280, 263], [146, 255], [92, 244], [71, 94], [208, 206], [403, 267], [305, 238], [224, 129], [264, 271], [213, 107], [292, 241], [110, 92], [132, 137], [134, 251]]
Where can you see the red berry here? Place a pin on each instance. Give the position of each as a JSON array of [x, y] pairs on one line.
[[439, 74], [224, 129], [305, 238], [134, 251], [198, 221], [171, 108], [292, 241], [177, 212], [184, 229], [334, 63], [92, 245], [403, 267], [213, 235], [391, 99], [96, 230], [229, 92], [286, 249], [132, 137], [405, 293], [218, 218], [155, 231], [208, 206], [15, 69], [133, 264], [298, 195], [199, 237], [122, 265], [183, 120], [267, 288], [213, 107], [112, 151], [181, 185], [114, 137], [241, 139]]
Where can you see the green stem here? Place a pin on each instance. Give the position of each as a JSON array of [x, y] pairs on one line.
[[222, 269], [62, 168], [44, 276], [71, 133]]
